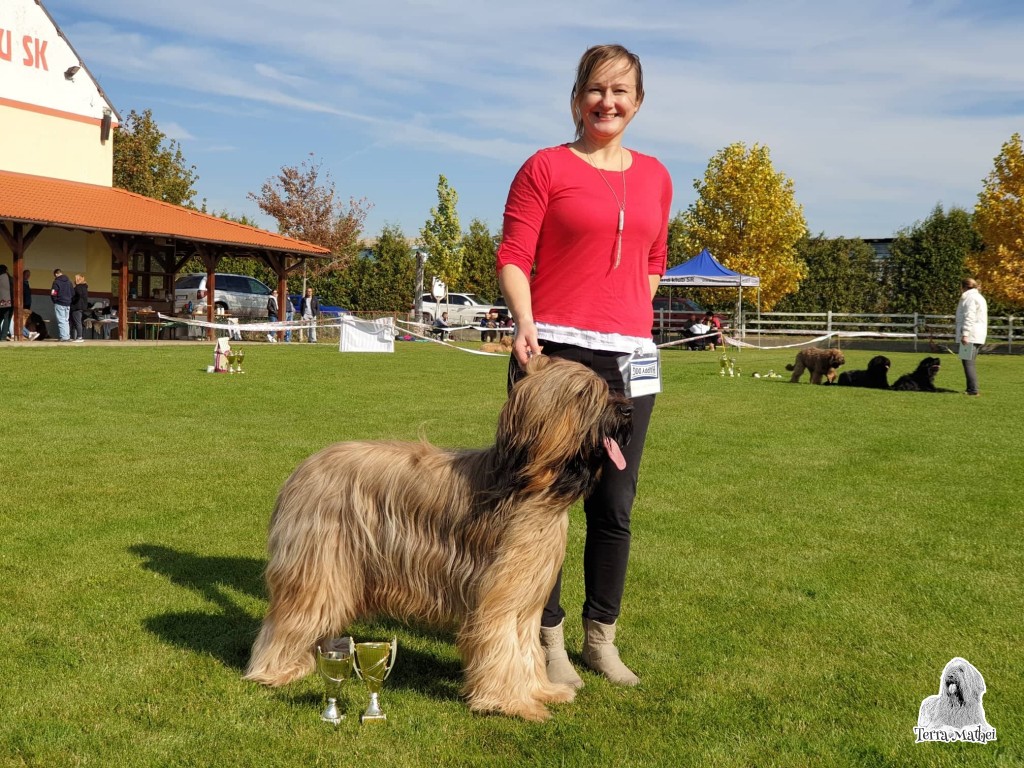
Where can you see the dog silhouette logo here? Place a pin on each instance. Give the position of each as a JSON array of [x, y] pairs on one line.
[[956, 712]]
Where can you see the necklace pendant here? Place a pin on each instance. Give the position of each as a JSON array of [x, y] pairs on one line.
[[622, 219]]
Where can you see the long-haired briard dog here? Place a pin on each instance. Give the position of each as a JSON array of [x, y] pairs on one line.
[[475, 537], [822, 363]]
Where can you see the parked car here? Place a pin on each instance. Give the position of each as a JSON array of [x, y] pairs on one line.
[[325, 309], [462, 308], [679, 313], [236, 295]]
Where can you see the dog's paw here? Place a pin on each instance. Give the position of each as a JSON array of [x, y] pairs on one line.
[[558, 694]]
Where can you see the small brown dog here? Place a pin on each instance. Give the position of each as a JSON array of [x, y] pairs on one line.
[[820, 362], [505, 345]]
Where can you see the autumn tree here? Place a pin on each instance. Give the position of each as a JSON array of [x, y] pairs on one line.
[[148, 163], [441, 237], [928, 260], [677, 253], [999, 218], [307, 208], [746, 214], [479, 273], [842, 276]]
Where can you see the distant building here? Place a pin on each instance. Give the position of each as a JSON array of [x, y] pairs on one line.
[[880, 245], [58, 207]]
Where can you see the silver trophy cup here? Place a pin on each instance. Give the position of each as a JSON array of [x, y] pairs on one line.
[[334, 661], [373, 664]]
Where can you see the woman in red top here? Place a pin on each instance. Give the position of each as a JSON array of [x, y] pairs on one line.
[[585, 243]]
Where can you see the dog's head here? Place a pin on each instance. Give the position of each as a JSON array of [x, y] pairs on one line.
[[560, 425], [879, 364], [929, 367], [836, 358], [962, 684]]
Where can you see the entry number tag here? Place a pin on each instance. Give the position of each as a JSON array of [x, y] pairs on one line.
[[643, 374]]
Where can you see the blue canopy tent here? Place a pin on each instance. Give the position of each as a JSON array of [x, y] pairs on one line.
[[704, 271]]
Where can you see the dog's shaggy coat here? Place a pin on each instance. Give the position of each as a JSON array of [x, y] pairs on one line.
[[875, 377], [822, 363], [413, 531], [923, 377], [958, 703]]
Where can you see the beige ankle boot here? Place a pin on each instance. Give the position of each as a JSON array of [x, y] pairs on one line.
[[601, 655], [560, 669]]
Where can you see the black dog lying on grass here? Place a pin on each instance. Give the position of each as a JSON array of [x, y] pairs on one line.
[[922, 379], [875, 377]]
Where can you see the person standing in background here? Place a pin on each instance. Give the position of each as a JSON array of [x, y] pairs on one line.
[[971, 329], [272, 314], [6, 302], [61, 294], [79, 304], [309, 308]]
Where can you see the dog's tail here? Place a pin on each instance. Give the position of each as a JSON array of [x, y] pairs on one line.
[[790, 366]]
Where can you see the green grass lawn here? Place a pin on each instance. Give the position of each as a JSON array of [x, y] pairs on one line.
[[805, 562]]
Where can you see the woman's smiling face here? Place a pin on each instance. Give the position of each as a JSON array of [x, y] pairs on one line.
[[608, 101]]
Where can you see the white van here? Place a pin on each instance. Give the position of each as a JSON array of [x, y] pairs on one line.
[[236, 295]]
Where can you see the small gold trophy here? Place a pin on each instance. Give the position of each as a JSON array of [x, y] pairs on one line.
[[373, 664], [334, 663]]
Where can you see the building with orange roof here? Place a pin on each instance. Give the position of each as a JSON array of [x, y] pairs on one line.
[[58, 208]]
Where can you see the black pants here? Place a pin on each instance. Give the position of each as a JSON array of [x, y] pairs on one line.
[[608, 508], [77, 329]]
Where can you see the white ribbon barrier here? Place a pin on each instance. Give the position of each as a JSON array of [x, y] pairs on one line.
[[233, 326]]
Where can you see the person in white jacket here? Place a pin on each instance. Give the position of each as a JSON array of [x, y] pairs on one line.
[[971, 329]]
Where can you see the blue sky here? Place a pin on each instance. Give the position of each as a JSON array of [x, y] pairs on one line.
[[877, 110]]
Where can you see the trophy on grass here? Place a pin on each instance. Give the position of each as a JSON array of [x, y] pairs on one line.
[[232, 359], [373, 664], [334, 663], [239, 357]]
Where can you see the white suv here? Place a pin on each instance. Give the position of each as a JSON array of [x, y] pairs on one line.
[[237, 295], [462, 308]]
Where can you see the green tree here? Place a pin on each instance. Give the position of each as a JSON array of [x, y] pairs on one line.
[[999, 217], [746, 214], [382, 280], [842, 276], [677, 241], [480, 248], [148, 163], [928, 260], [441, 237], [307, 208]]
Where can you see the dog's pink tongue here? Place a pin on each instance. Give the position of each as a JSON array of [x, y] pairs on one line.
[[612, 449]]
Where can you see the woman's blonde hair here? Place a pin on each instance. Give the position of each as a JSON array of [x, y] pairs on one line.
[[594, 57], [79, 278]]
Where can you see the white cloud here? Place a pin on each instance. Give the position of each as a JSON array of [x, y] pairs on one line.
[[877, 110]]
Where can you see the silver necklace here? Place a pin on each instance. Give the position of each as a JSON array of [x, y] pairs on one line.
[[621, 203]]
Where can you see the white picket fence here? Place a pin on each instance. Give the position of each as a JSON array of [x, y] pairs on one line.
[[915, 327]]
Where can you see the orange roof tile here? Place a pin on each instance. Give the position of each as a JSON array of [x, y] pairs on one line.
[[90, 207]]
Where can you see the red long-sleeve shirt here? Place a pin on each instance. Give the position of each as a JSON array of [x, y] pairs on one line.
[[561, 218]]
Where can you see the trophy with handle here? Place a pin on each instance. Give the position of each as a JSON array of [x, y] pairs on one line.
[[334, 663], [373, 664]]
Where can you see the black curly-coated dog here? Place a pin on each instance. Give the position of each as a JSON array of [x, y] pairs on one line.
[[922, 379], [875, 377]]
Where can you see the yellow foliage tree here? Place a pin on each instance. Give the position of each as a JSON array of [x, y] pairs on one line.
[[999, 219], [746, 214]]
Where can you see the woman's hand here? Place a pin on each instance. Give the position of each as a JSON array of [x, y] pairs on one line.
[[525, 343]]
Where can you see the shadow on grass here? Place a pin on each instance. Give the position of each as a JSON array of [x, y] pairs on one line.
[[228, 635]]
